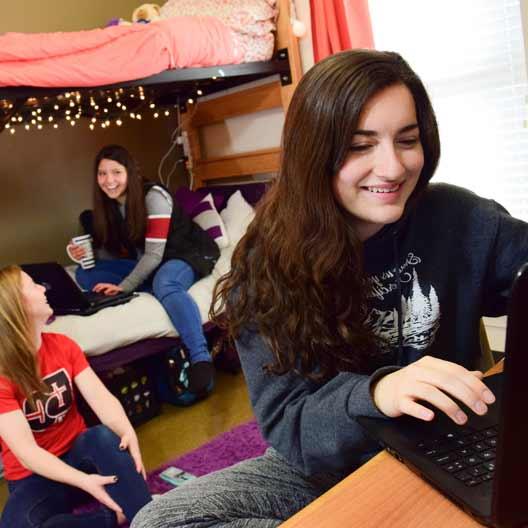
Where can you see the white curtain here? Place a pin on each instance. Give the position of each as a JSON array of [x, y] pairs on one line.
[[471, 56]]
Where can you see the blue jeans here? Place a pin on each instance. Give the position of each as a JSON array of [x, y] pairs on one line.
[[36, 501], [170, 284], [111, 271]]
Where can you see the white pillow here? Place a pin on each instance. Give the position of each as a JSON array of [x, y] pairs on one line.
[[209, 220], [223, 264], [237, 216]]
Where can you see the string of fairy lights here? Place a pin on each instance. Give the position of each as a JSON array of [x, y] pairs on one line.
[[94, 109]]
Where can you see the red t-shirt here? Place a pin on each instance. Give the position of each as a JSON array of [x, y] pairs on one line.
[[56, 421]]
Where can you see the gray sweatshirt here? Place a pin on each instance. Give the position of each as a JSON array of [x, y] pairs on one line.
[[433, 275]]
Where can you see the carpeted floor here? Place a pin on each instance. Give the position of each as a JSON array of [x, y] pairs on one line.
[[241, 443]]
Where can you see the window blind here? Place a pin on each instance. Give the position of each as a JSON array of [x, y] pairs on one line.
[[470, 54]]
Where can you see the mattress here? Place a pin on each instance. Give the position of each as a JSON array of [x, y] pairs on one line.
[[117, 54]]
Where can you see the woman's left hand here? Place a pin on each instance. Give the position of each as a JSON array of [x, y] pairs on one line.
[[107, 288], [129, 441]]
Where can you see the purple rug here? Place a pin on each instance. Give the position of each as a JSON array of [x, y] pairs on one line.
[[240, 443]]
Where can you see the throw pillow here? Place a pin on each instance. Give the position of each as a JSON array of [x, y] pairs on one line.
[[203, 210], [237, 216], [207, 217]]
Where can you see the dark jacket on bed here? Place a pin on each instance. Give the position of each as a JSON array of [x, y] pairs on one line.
[[189, 242]]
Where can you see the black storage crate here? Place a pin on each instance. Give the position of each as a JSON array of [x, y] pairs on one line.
[[134, 386]]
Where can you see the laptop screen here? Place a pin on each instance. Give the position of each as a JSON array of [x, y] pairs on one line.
[[62, 292]]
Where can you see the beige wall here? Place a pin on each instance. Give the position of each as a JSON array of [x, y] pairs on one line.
[[46, 175], [32, 16], [47, 181]]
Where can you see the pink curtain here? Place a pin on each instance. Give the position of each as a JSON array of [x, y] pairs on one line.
[[338, 25]]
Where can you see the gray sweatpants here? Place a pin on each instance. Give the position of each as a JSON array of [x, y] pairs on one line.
[[258, 493]]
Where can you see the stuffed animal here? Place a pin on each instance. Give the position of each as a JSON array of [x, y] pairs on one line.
[[146, 13], [143, 14]]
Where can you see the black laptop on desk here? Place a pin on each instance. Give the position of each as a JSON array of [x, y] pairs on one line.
[[64, 296], [483, 465]]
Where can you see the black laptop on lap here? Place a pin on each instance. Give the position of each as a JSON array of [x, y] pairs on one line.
[[64, 296], [483, 465]]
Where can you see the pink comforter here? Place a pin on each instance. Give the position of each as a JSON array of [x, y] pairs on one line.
[[115, 54]]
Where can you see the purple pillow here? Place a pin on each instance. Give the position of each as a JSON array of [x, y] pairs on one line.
[[201, 208], [189, 199]]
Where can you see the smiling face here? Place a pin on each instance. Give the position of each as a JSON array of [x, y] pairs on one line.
[[112, 179], [34, 299], [384, 163]]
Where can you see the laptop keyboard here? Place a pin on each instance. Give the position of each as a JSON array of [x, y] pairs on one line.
[[469, 455], [94, 297], [98, 298]]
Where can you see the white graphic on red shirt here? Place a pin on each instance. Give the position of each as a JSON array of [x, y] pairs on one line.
[[53, 407]]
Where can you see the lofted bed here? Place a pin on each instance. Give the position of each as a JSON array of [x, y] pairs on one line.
[[174, 92]]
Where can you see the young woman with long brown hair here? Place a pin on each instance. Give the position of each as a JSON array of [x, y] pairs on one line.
[[357, 290], [51, 460], [145, 241]]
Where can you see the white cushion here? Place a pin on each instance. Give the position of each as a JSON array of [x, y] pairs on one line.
[[237, 216]]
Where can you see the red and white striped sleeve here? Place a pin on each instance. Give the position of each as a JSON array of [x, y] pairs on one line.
[[158, 203], [157, 227], [159, 210]]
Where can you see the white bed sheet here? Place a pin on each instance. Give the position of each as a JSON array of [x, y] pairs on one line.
[[141, 318]]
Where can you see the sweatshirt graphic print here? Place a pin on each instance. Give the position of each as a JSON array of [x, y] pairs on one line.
[[419, 307]]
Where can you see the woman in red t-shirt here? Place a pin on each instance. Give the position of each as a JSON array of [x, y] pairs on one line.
[[51, 460]]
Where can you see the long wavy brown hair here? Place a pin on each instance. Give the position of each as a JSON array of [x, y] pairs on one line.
[[297, 275], [18, 358], [108, 227]]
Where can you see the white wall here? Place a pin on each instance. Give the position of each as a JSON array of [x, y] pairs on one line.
[[524, 15], [496, 327]]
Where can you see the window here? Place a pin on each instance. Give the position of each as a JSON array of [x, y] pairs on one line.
[[471, 56]]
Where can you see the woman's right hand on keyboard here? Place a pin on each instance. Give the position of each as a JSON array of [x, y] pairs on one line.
[[107, 288], [434, 381]]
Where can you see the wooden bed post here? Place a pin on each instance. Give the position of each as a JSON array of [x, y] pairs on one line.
[[286, 39]]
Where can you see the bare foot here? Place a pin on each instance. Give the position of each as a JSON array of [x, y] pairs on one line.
[[121, 519]]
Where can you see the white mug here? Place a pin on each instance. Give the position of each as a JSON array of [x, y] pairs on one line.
[[84, 241]]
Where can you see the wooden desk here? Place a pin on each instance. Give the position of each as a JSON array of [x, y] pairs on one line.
[[383, 493]]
